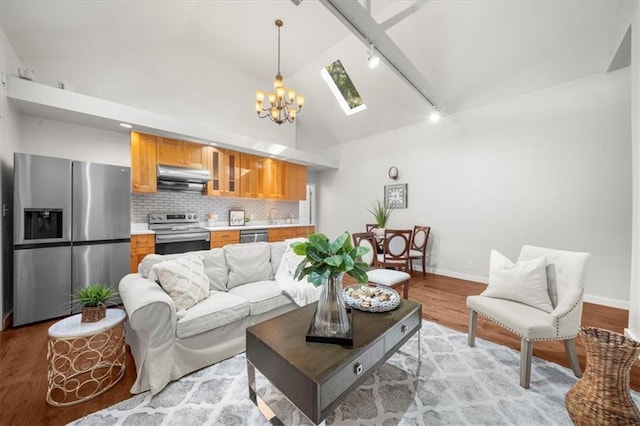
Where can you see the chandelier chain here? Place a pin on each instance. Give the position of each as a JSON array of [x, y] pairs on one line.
[[278, 50]]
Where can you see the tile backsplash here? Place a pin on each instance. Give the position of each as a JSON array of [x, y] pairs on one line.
[[175, 201]]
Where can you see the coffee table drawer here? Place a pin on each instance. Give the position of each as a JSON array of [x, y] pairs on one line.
[[345, 377], [401, 330]]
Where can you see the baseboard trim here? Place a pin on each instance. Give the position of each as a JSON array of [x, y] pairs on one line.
[[630, 335], [7, 322], [597, 300], [605, 301], [467, 277]]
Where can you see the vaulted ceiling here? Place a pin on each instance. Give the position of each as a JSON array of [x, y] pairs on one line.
[[470, 52]]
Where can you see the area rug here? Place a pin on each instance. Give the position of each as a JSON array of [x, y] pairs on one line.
[[455, 385]]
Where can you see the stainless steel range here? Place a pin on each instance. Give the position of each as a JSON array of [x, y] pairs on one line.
[[178, 232]]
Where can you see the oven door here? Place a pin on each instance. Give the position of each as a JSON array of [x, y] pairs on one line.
[[182, 243]]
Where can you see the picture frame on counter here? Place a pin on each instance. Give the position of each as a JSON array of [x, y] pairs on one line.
[[236, 218]]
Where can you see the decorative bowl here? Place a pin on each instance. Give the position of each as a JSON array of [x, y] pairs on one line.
[[371, 298]]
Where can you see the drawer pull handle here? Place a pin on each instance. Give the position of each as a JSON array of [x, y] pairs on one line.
[[357, 369], [404, 329]]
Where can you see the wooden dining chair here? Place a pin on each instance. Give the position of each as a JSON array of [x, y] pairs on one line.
[[387, 277], [395, 249], [371, 226], [418, 249]]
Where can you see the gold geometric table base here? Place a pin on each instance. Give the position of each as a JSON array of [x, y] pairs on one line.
[[81, 368]]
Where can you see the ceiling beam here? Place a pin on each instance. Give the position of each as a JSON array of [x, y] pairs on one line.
[[363, 26], [400, 16]]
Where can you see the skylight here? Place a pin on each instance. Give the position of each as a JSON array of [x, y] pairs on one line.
[[343, 88]]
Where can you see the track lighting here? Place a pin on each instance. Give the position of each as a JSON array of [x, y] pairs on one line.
[[372, 58], [435, 115]]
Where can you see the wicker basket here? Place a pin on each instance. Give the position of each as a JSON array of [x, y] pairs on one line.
[[601, 396], [93, 314]]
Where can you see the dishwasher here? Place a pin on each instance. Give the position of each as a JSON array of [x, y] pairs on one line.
[[254, 235]]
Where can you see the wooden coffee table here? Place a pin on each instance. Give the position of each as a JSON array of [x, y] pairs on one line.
[[317, 377]]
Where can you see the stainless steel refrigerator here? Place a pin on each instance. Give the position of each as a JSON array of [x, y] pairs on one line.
[[71, 228]]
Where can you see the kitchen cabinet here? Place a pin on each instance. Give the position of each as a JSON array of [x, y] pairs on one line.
[[274, 182], [222, 238], [287, 232], [173, 152], [143, 162], [141, 245], [224, 167], [295, 182], [251, 176]]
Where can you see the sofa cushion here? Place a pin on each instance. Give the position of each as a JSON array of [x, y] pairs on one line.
[[263, 296], [183, 279], [215, 266], [248, 263], [220, 308], [152, 259], [277, 250]]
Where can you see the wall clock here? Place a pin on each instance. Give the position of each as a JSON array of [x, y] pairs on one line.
[[396, 195]]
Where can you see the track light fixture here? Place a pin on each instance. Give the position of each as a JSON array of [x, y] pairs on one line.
[[435, 115], [372, 58]]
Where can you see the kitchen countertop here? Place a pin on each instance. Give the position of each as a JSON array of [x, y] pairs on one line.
[[143, 228]]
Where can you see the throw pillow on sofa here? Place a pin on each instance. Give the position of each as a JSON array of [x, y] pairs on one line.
[[302, 292], [183, 279], [524, 282]]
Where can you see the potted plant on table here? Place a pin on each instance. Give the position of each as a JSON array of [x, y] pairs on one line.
[[325, 263], [94, 299], [381, 213]]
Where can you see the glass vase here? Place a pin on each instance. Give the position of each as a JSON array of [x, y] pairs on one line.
[[331, 319]]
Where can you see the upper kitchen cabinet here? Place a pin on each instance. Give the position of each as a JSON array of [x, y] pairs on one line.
[[143, 162], [251, 176], [295, 182], [173, 152], [274, 182], [224, 167]]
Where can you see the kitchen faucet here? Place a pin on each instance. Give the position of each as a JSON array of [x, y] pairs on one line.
[[273, 214]]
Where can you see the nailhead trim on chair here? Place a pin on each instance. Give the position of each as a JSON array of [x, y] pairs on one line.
[[539, 339]]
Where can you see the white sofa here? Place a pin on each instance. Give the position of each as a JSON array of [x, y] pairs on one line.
[[167, 343]]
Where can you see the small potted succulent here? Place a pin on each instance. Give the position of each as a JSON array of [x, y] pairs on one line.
[[94, 299]]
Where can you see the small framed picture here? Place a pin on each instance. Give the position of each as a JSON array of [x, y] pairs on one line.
[[236, 217], [396, 195]]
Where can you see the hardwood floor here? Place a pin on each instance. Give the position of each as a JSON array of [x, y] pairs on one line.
[[23, 352]]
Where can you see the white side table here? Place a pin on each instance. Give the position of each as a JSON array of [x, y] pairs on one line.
[[85, 359]]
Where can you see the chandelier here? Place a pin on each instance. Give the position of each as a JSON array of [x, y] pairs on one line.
[[280, 108]]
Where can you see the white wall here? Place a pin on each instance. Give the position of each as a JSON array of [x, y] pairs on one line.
[[548, 168], [174, 80], [9, 136], [64, 140]]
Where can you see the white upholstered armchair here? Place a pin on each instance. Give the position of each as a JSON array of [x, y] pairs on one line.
[[530, 323]]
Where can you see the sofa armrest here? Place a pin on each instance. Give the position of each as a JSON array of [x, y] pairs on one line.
[[141, 296], [152, 321]]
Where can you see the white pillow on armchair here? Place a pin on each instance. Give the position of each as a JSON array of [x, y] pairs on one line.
[[524, 282]]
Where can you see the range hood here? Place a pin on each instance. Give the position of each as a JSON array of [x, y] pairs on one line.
[[182, 178]]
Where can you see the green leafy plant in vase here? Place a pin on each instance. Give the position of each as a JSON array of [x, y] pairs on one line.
[[94, 300], [381, 214], [325, 263]]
